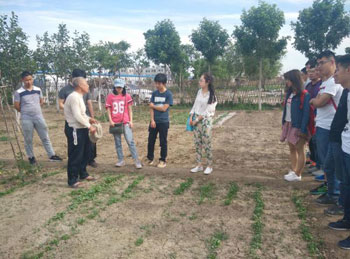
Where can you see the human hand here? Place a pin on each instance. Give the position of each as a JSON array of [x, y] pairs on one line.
[[111, 123], [153, 124], [92, 121], [92, 130], [131, 124]]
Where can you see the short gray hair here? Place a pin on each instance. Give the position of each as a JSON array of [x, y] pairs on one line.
[[77, 81]]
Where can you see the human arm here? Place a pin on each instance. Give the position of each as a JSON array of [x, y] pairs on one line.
[[153, 123], [162, 108], [41, 101], [130, 116], [111, 123], [81, 117], [17, 106], [321, 100], [306, 116], [90, 108]]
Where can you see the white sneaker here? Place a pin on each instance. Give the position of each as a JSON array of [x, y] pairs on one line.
[[138, 165], [208, 170], [290, 172], [292, 178], [120, 163], [197, 169], [317, 173]]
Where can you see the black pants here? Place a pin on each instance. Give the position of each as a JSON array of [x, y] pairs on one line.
[[92, 152], [92, 146], [78, 154], [162, 128], [313, 149]]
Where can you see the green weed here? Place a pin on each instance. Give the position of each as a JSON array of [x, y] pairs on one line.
[[232, 193], [257, 225], [214, 242], [139, 241], [206, 191], [183, 186]]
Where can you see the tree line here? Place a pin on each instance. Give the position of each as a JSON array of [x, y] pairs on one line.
[[254, 49]]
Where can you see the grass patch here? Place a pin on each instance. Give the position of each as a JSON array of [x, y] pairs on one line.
[[139, 241], [214, 242], [220, 118], [4, 138], [49, 174], [206, 192], [232, 193], [183, 186], [313, 245], [257, 225], [127, 191]]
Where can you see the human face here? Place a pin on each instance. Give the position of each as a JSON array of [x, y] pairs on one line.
[[325, 66], [288, 83], [342, 75], [160, 86], [202, 83], [84, 86], [27, 82], [119, 90], [313, 74]]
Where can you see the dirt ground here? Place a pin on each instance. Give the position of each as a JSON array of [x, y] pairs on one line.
[[129, 213]]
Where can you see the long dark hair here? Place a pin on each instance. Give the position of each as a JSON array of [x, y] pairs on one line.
[[297, 82], [208, 77], [116, 92]]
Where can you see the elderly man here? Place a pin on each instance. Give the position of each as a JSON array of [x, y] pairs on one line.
[[63, 94], [79, 125]]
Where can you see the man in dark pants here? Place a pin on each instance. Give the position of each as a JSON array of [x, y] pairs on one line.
[[77, 131], [159, 109], [63, 94]]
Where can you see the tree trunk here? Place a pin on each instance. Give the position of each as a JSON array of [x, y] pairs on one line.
[[57, 104], [260, 81], [209, 67], [47, 91], [99, 93]]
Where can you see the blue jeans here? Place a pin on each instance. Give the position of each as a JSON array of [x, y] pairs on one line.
[[129, 140], [28, 126], [346, 185], [322, 141], [333, 167]]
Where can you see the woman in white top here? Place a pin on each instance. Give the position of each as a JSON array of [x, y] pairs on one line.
[[201, 117]]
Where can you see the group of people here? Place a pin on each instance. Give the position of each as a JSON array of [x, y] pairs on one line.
[[81, 127], [317, 111]]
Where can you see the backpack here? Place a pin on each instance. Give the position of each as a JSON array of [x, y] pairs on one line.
[[311, 125]]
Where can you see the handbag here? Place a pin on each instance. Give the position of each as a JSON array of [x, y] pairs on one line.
[[118, 128], [189, 127]]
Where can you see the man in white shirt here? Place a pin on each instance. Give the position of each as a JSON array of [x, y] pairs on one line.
[[326, 104], [79, 125]]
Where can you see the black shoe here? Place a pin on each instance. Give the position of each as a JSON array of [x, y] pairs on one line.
[[340, 225], [32, 160], [335, 210], [93, 164], [325, 199], [345, 244], [319, 190], [55, 158]]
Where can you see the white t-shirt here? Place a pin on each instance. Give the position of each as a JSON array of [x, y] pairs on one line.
[[345, 136], [201, 106], [288, 108], [326, 113]]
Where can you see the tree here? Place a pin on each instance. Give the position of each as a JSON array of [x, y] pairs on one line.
[[43, 58], [321, 27], [121, 59], [14, 53], [81, 52], [258, 35], [347, 50], [210, 39], [163, 43], [139, 61], [61, 56]]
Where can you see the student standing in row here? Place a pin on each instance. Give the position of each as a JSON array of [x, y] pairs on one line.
[[201, 117], [28, 101], [161, 100], [342, 76], [326, 104], [295, 120], [119, 109]]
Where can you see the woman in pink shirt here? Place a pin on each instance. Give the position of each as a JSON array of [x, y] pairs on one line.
[[119, 108]]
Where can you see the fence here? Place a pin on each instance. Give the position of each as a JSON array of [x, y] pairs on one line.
[[234, 93]]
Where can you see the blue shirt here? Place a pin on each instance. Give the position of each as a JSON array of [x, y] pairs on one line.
[[160, 99]]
